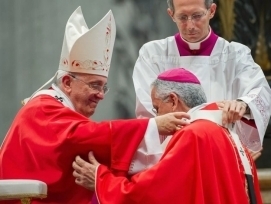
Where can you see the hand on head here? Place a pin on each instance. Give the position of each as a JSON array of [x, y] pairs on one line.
[[84, 172]]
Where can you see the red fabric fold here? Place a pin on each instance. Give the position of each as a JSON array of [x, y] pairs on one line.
[[200, 165]]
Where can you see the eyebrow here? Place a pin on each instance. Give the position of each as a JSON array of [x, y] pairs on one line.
[[184, 14], [97, 81]]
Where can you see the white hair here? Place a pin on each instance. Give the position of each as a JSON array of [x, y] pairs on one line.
[[191, 94], [59, 75]]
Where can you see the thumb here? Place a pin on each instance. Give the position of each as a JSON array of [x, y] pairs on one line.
[[92, 159]]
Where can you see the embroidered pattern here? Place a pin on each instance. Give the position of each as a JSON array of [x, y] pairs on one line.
[[258, 101], [59, 99], [239, 161]]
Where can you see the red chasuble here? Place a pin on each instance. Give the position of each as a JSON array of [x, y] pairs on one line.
[[200, 166], [45, 138]]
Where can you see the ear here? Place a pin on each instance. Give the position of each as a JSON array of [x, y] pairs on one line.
[[170, 13], [175, 101], [66, 83], [212, 10]]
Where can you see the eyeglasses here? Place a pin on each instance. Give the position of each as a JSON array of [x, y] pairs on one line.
[[194, 18], [93, 86]]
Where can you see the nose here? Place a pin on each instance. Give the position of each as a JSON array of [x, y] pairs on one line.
[[190, 26], [190, 22], [100, 95]]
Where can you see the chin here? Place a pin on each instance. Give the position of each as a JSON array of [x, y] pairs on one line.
[[193, 39], [91, 113], [88, 113]]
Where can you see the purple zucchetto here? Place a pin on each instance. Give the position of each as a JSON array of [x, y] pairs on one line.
[[179, 75]]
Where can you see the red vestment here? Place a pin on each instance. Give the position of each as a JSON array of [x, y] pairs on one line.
[[45, 138], [200, 165]]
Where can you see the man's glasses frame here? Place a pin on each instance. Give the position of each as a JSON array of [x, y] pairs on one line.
[[93, 86], [194, 18]]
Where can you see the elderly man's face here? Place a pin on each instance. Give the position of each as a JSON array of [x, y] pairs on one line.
[[160, 106], [86, 92]]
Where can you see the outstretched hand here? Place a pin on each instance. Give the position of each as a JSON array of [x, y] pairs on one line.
[[84, 172], [169, 123]]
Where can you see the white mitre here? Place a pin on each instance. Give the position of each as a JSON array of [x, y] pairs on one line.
[[86, 50]]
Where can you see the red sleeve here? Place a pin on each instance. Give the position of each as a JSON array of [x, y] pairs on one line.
[[198, 166], [113, 142], [45, 137], [126, 136]]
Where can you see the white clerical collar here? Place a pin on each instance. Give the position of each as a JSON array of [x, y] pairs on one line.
[[197, 113], [66, 101], [196, 45], [56, 93]]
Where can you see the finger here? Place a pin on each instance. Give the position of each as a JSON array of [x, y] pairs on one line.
[[178, 127], [80, 162], [233, 111], [239, 114], [182, 122], [92, 159], [240, 110], [78, 181], [76, 174], [220, 105], [242, 107], [256, 156], [76, 167], [180, 115], [225, 113]]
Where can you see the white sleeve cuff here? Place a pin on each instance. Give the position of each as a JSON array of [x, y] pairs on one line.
[[149, 150]]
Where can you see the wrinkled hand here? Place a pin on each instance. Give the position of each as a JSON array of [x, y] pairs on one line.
[[232, 110], [255, 155], [169, 123], [84, 172]]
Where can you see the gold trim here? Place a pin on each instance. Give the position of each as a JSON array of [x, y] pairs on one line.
[[20, 196], [25, 201]]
